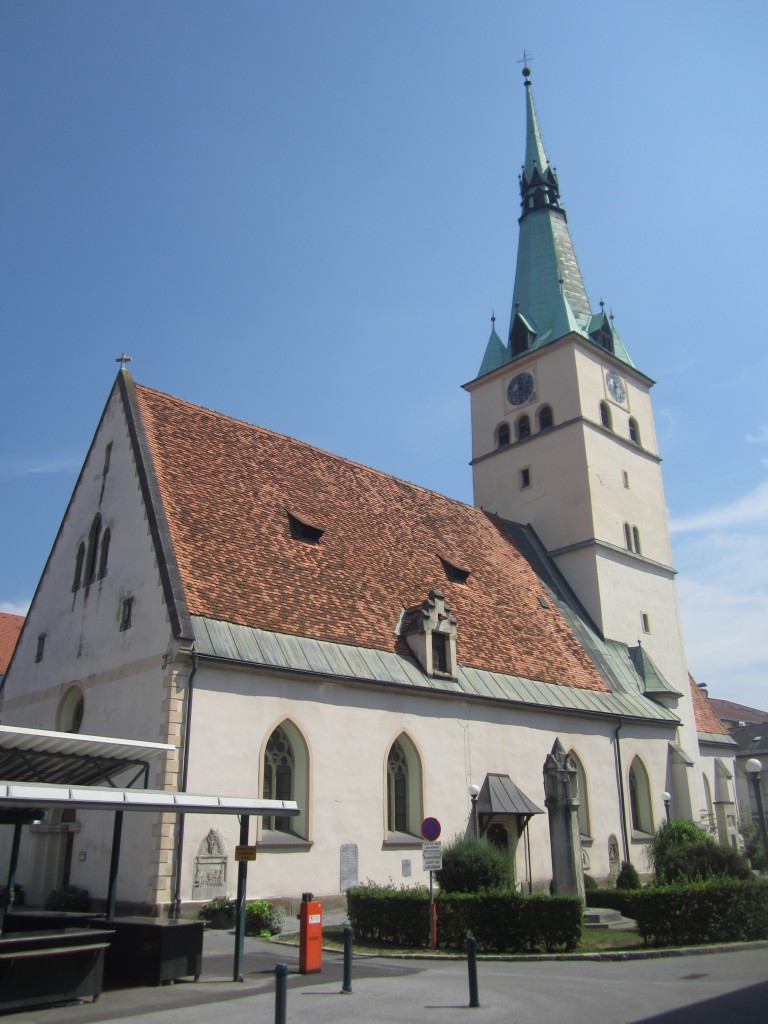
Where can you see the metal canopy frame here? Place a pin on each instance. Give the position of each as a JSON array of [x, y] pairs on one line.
[[38, 759]]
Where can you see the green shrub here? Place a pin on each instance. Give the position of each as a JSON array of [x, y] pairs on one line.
[[696, 863], [276, 921], [220, 912], [590, 884], [628, 877], [471, 865], [669, 837], [70, 898], [257, 914], [718, 910]]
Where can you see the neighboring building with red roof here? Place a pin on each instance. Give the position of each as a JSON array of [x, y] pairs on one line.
[[10, 627], [304, 627]]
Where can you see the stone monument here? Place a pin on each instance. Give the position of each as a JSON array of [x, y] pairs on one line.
[[564, 835]]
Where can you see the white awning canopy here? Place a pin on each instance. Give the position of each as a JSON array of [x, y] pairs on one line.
[[25, 794], [41, 755]]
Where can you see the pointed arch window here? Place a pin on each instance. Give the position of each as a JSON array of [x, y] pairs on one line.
[[79, 562], [546, 419], [583, 797], [502, 435], [640, 798], [279, 770], [285, 776], [93, 549], [523, 428], [634, 431], [605, 416], [403, 789], [104, 556]]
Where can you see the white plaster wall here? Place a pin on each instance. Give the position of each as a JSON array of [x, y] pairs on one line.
[[120, 673], [349, 730]]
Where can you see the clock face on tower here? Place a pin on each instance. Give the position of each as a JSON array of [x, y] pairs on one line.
[[616, 386], [520, 389]]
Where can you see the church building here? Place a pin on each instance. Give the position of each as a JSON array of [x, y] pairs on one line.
[[299, 626]]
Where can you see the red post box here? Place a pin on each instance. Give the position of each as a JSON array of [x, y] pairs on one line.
[[310, 936]]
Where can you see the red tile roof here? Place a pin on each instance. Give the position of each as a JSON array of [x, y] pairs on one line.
[[227, 488], [727, 711], [10, 627], [706, 719]]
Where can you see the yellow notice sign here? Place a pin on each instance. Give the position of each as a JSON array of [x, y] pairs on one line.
[[245, 853]]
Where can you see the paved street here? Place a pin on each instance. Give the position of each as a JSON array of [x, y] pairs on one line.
[[706, 989]]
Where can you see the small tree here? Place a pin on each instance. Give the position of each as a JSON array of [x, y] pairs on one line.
[[628, 877], [471, 864], [754, 849], [671, 836]]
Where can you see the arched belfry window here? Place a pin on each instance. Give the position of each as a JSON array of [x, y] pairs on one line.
[[285, 777], [523, 428], [502, 435], [403, 788], [634, 431], [605, 416], [93, 549], [546, 419], [640, 798]]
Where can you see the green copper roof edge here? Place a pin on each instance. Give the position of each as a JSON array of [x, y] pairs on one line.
[[228, 642]]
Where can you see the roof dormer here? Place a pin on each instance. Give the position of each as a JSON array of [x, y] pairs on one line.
[[429, 630]]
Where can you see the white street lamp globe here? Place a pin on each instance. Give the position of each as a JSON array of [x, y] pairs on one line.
[[666, 797], [473, 789], [753, 766]]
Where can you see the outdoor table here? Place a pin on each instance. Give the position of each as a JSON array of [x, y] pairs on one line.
[[152, 950]]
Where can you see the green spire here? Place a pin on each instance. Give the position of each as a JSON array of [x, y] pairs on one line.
[[549, 299]]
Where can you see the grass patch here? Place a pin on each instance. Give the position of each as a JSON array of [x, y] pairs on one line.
[[593, 940]]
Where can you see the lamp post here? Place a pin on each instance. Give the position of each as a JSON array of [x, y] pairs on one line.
[[754, 768], [474, 792], [666, 797]]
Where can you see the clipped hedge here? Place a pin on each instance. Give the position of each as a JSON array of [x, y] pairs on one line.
[[718, 910], [500, 920]]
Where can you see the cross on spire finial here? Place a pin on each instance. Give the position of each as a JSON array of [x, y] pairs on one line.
[[526, 69], [123, 359]]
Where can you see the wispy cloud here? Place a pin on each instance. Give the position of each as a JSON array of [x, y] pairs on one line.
[[14, 607], [750, 508], [61, 465], [67, 464], [722, 558], [761, 437]]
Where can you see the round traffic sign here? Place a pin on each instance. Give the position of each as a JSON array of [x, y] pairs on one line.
[[430, 829]]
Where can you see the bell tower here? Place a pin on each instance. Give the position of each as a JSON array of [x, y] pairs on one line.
[[563, 435]]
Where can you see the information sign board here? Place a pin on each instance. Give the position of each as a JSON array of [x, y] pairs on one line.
[[245, 853], [432, 856]]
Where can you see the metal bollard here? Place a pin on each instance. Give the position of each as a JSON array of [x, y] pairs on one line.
[[281, 992], [474, 999], [348, 937]]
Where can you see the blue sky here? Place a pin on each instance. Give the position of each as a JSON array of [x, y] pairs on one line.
[[303, 214]]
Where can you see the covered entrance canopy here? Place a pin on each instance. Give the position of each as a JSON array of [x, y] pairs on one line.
[[501, 802], [40, 769]]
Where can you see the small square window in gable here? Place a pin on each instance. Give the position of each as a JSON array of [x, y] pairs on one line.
[[302, 529]]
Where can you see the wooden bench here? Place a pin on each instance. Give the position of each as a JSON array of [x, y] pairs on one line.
[[40, 968]]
